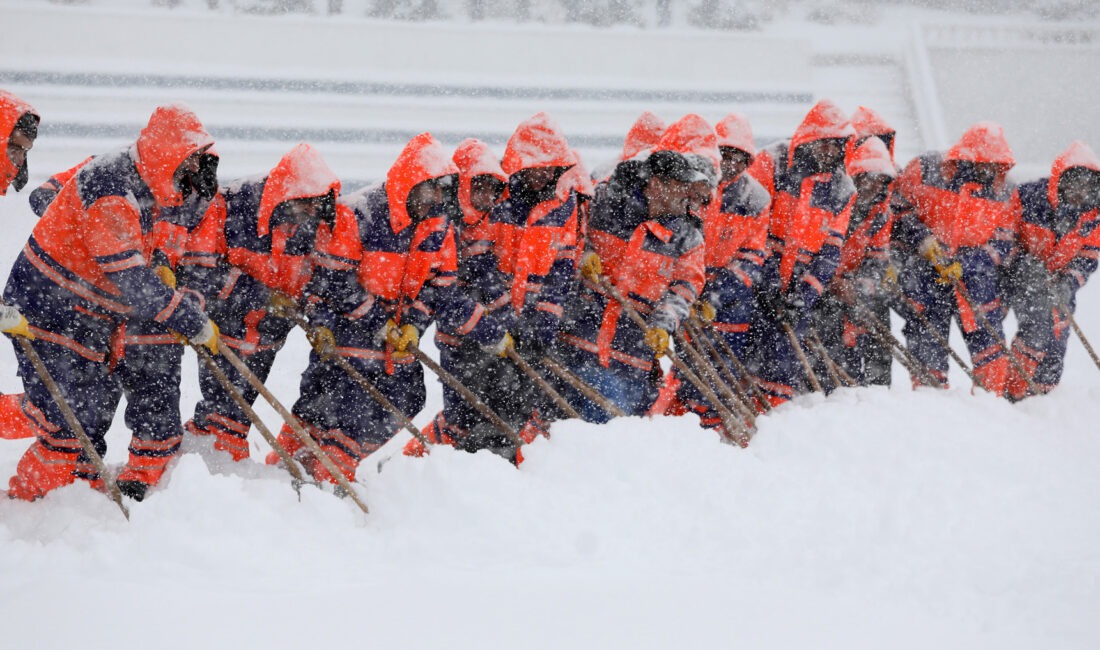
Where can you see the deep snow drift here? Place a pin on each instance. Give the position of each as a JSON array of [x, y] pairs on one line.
[[871, 519]]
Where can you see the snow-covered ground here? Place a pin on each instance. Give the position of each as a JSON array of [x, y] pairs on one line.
[[871, 519]]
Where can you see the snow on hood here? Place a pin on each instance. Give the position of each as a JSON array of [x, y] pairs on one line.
[[866, 122], [872, 157], [982, 143], [422, 159], [172, 135], [824, 121], [1078, 154], [12, 108], [576, 179], [692, 135], [734, 130], [537, 142], [301, 174], [643, 135], [473, 158]]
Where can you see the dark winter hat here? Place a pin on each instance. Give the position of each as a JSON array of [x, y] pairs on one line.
[[671, 165]]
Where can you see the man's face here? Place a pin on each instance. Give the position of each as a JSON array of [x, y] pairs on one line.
[[983, 174], [699, 196], [734, 162], [485, 192], [666, 197], [537, 178], [871, 188], [19, 143], [827, 154], [423, 198], [1079, 188], [197, 173], [299, 211]]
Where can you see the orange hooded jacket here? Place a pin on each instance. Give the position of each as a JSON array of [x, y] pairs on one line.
[[121, 224], [95, 239], [807, 210], [301, 173], [866, 123], [12, 108], [957, 211], [737, 227], [871, 237], [474, 158], [530, 239], [643, 135], [396, 273], [1037, 236]]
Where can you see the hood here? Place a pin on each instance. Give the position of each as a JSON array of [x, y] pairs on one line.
[[824, 121], [643, 135], [982, 143], [171, 136], [422, 159], [692, 134], [1078, 154], [11, 109], [537, 142], [576, 179], [474, 158], [866, 122], [871, 157], [735, 131], [301, 174]]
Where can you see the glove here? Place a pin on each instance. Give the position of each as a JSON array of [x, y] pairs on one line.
[[281, 305], [591, 267], [400, 337], [890, 276], [13, 323], [503, 346], [208, 337], [322, 340], [704, 311], [931, 250], [949, 274], [657, 340], [166, 275]]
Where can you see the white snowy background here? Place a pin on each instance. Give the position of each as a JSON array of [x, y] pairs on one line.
[[870, 519]]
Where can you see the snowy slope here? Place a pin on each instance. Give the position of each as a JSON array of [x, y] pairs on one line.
[[871, 519]]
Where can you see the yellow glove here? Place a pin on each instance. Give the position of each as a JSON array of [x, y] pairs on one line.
[[322, 341], [14, 323], [400, 337], [657, 340], [931, 250], [504, 346], [166, 276], [208, 337], [890, 277], [591, 267], [705, 311], [281, 305], [949, 274]]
